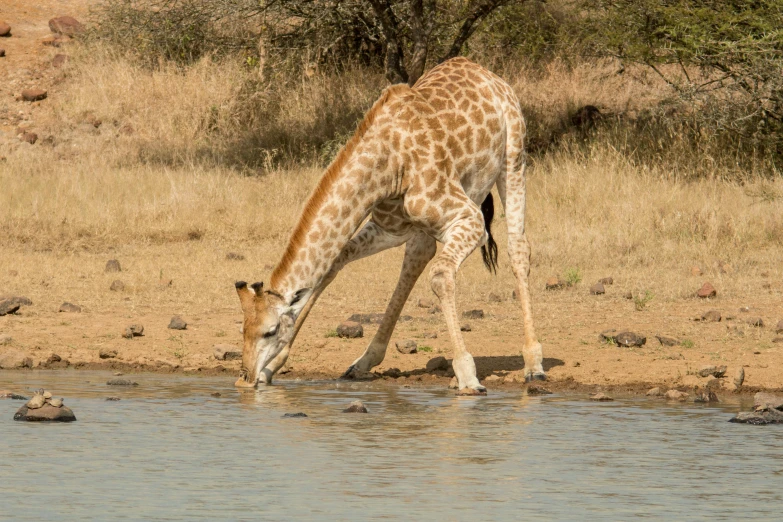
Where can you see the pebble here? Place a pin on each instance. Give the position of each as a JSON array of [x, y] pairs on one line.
[[134, 330], [695, 271], [438, 363], [5, 29], [706, 290], [406, 347], [296, 415], [235, 256], [121, 382], [779, 327], [425, 303], [66, 25], [537, 389], [473, 314], [350, 330], [29, 137], [112, 265], [226, 352], [117, 286], [675, 395], [739, 377], [453, 384], [492, 378], [554, 283], [177, 323], [34, 94], [667, 341], [494, 298], [654, 392], [600, 397], [606, 281], [59, 60], [429, 335], [70, 308], [465, 328], [2, 53], [112, 398], [107, 353], [597, 289], [715, 371], [706, 396], [758, 418], [356, 407], [756, 321], [767, 400], [713, 316]]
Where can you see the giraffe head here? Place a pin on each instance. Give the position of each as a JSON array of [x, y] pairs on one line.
[[267, 327]]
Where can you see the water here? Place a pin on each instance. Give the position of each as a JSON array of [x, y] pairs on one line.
[[170, 451]]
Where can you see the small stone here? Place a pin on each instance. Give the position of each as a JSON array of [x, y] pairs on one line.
[[12, 359], [8, 306], [695, 271], [597, 289], [601, 397], [112, 265], [756, 321], [66, 25], [165, 283], [235, 256], [117, 286], [492, 378], [465, 328], [654, 392], [760, 418], [707, 290], [296, 415], [739, 377], [777, 340], [494, 298], [744, 309], [715, 371], [34, 94], [5, 29], [425, 303], [453, 384], [216, 394], [629, 339], [226, 352], [2, 53], [725, 268], [536, 389], [438, 363], [107, 353], [712, 316], [29, 137], [429, 335], [435, 310], [70, 308], [46, 413], [5, 339], [667, 341], [394, 373], [764, 400], [675, 395], [7, 394], [406, 347], [356, 407], [134, 330], [706, 396], [606, 281], [779, 327], [513, 378], [112, 398], [121, 382], [59, 60], [473, 314], [350, 330], [554, 283], [177, 323]]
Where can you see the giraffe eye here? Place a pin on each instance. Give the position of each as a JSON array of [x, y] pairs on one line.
[[270, 333]]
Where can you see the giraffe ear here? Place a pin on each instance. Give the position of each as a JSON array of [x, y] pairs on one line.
[[299, 295], [257, 288], [246, 296]]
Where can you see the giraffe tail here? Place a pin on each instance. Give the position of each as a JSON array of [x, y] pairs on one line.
[[489, 252]]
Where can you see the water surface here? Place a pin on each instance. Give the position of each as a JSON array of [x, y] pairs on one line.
[[170, 451]]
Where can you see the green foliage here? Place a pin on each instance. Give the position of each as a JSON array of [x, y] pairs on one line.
[[424, 348], [331, 333], [573, 276], [641, 300], [687, 343]]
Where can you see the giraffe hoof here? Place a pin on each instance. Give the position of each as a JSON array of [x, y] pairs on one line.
[[480, 390], [348, 373], [538, 376]]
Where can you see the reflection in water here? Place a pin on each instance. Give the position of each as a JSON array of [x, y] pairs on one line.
[[169, 450]]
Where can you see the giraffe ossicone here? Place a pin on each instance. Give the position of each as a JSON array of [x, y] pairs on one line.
[[422, 165]]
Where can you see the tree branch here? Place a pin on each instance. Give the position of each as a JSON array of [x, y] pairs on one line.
[[470, 24], [395, 68]]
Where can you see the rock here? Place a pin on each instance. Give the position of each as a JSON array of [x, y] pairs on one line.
[[465, 328], [66, 25], [7, 394], [715, 371], [295, 415], [117, 286], [453, 384], [739, 377], [121, 382], [513, 378], [426, 303], [2, 53], [494, 298], [164, 283], [600, 397], [629, 339], [756, 321], [107, 353], [471, 392], [695, 271], [554, 283], [356, 407], [473, 314], [536, 389], [5, 339], [394, 373], [713, 316], [361, 375], [112, 398], [216, 394], [8, 306], [758, 418], [435, 310], [226, 352], [492, 378], [70, 308], [597, 289], [54, 358], [47, 412], [707, 290], [12, 360], [177, 323], [350, 330], [654, 392], [777, 340], [667, 341], [406, 347], [59, 60], [764, 400], [235, 256], [134, 330], [429, 335], [112, 265], [607, 336], [779, 327], [34, 94], [29, 137], [5, 29], [438, 363], [706, 396], [675, 395]]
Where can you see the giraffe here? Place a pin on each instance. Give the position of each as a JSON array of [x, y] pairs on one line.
[[421, 166]]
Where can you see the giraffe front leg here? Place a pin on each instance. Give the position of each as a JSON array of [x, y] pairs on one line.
[[461, 239], [418, 252]]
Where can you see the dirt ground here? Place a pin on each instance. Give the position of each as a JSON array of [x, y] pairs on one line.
[[568, 320]]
